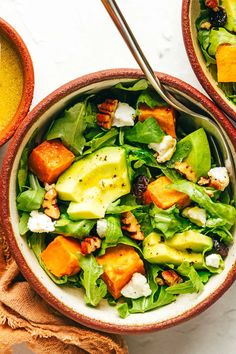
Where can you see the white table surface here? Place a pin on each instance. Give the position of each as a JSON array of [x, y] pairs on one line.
[[70, 38]]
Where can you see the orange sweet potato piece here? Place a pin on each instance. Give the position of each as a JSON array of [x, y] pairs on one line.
[[60, 256], [49, 159], [119, 264], [165, 117], [226, 63], [164, 198]]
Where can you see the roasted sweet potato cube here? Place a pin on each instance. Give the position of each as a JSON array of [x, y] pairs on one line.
[[49, 159], [164, 198], [120, 263], [226, 63], [165, 117], [61, 256]]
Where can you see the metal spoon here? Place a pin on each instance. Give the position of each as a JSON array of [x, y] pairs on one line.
[[216, 133]]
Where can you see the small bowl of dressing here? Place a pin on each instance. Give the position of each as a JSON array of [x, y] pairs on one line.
[[16, 81]]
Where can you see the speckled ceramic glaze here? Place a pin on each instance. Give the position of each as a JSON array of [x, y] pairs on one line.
[[190, 12], [28, 84], [70, 301]]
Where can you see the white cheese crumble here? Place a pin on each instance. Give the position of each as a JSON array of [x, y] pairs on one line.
[[40, 222], [124, 115], [196, 215], [165, 149], [213, 260], [137, 287], [102, 227], [220, 176]]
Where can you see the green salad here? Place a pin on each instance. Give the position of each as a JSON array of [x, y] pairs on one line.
[[216, 28], [118, 198]]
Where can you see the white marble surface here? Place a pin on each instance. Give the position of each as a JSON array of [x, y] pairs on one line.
[[71, 38]]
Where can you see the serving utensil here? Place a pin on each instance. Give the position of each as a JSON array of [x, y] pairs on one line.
[[221, 145]]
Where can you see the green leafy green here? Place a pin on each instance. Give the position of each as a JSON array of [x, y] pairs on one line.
[[143, 217], [70, 127], [32, 198], [133, 86], [23, 224], [145, 132], [182, 151], [218, 36], [78, 229], [151, 99], [143, 156], [23, 170], [117, 208], [95, 288], [113, 231], [104, 139], [168, 221], [227, 213]]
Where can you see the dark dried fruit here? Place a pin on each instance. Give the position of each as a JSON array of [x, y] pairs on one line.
[[218, 18], [220, 248], [140, 186]]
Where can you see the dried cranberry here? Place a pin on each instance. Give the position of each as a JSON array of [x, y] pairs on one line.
[[220, 248], [218, 18], [139, 186]]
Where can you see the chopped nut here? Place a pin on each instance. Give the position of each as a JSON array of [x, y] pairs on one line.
[[203, 181], [160, 281], [185, 170], [131, 225], [50, 206], [171, 277], [205, 25], [90, 244], [106, 113]]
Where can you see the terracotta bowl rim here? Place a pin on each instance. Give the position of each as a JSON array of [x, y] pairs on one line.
[[32, 117], [28, 85], [219, 100]]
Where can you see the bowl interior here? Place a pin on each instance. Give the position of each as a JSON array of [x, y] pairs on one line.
[[211, 85], [17, 76], [72, 299]]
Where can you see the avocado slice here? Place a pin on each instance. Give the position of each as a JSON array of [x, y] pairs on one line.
[[192, 240], [230, 8], [93, 182], [198, 161], [155, 251]]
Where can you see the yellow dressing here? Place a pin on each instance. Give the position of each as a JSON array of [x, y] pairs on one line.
[[11, 82]]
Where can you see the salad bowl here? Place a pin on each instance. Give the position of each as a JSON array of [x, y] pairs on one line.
[[202, 57], [70, 300]]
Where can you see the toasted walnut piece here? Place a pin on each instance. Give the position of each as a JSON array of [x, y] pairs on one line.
[[90, 244], [106, 113], [205, 25], [171, 277], [50, 206], [131, 225], [203, 181], [185, 170], [160, 281]]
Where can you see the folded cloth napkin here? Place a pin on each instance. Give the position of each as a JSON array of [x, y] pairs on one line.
[[25, 317]]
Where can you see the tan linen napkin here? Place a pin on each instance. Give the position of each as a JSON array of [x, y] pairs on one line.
[[25, 317]]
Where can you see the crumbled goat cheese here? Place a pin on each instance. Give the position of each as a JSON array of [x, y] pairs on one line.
[[102, 227], [40, 222], [219, 177], [165, 149], [124, 115], [213, 260], [196, 215], [137, 287]]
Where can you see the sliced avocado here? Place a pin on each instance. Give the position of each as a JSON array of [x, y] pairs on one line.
[[192, 240], [230, 8], [155, 251], [93, 182], [198, 162]]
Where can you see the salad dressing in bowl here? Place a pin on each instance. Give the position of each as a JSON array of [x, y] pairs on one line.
[[11, 81]]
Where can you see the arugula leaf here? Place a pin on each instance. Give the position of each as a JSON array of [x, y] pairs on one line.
[[71, 126], [168, 221], [77, 229], [116, 208], [106, 139], [23, 170], [124, 240], [224, 234], [95, 288], [31, 199], [197, 194], [113, 231], [218, 36], [141, 155], [133, 86], [182, 151], [23, 224], [151, 99], [204, 275], [143, 217], [145, 132]]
